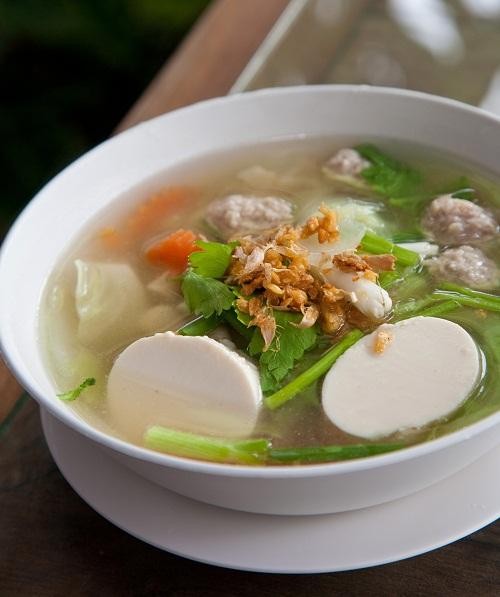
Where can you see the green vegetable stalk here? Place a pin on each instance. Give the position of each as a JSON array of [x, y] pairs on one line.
[[372, 243], [309, 376], [190, 445], [330, 453], [75, 392]]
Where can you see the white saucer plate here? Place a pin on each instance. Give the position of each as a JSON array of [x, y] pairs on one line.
[[429, 519]]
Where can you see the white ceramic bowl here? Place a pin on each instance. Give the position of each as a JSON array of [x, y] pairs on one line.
[[133, 160]]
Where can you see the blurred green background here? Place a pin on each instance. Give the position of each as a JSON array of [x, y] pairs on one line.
[[70, 70]]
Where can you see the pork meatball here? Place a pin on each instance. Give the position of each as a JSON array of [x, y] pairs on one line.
[[237, 214], [465, 265], [347, 162], [453, 221]]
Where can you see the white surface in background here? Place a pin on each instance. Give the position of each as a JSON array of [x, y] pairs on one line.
[[431, 24], [431, 518], [491, 99], [484, 9]]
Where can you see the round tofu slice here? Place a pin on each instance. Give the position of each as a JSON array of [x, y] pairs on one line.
[[193, 384], [425, 368]]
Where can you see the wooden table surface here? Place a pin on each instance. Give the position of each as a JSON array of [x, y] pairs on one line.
[[52, 543]]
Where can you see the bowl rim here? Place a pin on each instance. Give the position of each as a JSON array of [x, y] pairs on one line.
[[310, 470]]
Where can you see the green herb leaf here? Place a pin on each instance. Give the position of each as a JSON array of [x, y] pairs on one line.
[[388, 176], [213, 260], [310, 375], [74, 393], [286, 349], [205, 296], [200, 326]]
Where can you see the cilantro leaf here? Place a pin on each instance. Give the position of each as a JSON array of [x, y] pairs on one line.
[[75, 392], [388, 176], [205, 296], [213, 260], [286, 349]]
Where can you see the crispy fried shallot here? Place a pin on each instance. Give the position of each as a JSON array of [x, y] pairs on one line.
[[272, 271]]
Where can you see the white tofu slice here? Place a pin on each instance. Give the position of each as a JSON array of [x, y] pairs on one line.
[[427, 370], [193, 384]]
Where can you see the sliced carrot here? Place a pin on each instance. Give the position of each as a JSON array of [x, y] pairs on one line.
[[173, 251], [111, 238], [147, 215]]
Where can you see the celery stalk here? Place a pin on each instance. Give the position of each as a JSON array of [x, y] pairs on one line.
[[191, 445], [372, 243], [330, 453], [310, 375]]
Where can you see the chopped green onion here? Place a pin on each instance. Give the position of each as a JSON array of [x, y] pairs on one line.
[[75, 392], [372, 243], [200, 326], [449, 286], [217, 449], [333, 453], [439, 309], [466, 300], [309, 376]]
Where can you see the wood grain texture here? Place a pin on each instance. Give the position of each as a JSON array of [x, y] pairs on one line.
[[10, 390], [210, 59]]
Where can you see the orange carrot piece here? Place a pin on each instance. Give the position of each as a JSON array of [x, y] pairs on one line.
[[111, 238], [158, 207], [173, 251]]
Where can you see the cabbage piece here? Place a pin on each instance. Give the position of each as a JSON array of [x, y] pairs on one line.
[[69, 361], [109, 297]]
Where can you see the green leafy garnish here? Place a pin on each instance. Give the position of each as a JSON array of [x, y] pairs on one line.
[[75, 392], [213, 260], [308, 377], [200, 326], [205, 296], [388, 176], [285, 350]]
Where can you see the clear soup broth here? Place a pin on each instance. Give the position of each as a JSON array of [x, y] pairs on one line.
[[123, 278]]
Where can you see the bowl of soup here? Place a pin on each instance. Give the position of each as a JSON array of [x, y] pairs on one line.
[[283, 302]]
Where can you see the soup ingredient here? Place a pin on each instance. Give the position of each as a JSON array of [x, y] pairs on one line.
[[373, 395], [330, 453], [287, 347], [386, 175], [348, 162], [308, 377], [467, 297], [243, 214], [366, 295], [216, 449], [372, 243], [465, 265], [189, 383], [75, 392], [108, 297], [206, 296], [172, 252], [423, 248], [213, 259], [452, 221]]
